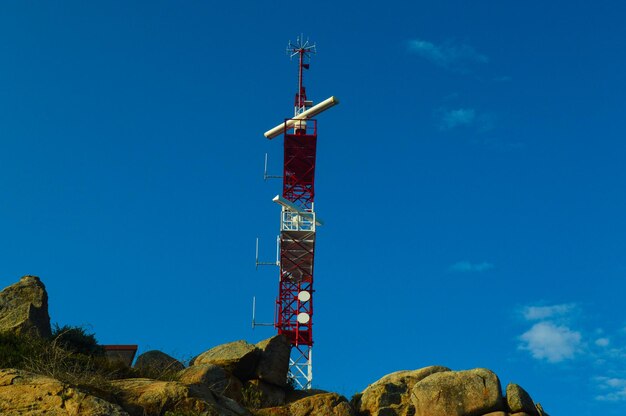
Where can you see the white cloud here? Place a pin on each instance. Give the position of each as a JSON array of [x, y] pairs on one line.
[[551, 342], [455, 118], [602, 342], [446, 55], [466, 266], [613, 389], [536, 313]]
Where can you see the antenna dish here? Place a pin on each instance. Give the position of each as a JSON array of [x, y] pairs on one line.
[[303, 318], [304, 296]]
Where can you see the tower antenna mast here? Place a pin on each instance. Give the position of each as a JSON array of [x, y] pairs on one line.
[[293, 316]]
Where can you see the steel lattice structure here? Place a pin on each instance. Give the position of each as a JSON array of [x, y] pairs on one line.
[[294, 304]]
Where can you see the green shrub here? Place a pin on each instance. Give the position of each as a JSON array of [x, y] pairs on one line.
[[72, 355], [15, 348], [76, 339], [292, 384], [252, 396]]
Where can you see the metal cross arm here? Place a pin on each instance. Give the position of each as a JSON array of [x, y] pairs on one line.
[[310, 113]]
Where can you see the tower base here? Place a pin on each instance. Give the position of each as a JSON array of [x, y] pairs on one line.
[[300, 367]]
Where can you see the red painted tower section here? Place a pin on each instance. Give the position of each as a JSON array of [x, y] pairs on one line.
[[297, 247]]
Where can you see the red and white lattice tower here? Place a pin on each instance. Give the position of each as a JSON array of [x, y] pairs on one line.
[[294, 304]]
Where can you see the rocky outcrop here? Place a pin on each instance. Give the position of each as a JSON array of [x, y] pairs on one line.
[[390, 396], [273, 362], [439, 391], [233, 379], [24, 393], [518, 400], [458, 393], [158, 362], [324, 404], [146, 397], [239, 358], [215, 378], [24, 308]]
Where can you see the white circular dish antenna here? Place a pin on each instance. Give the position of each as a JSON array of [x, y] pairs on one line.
[[303, 318], [304, 296]]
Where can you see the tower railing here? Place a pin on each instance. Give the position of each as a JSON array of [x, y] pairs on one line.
[[306, 127], [297, 221]]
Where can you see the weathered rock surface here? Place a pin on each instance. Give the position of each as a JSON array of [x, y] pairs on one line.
[[518, 400], [274, 360], [239, 357], [295, 395], [24, 393], [325, 404], [146, 397], [215, 378], [158, 362], [390, 396], [458, 393], [24, 308]]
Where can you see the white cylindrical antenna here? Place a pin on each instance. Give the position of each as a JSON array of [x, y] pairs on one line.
[[253, 309], [258, 263], [256, 256], [310, 113], [266, 176], [254, 322]]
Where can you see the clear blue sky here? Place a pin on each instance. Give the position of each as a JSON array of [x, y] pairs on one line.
[[472, 180]]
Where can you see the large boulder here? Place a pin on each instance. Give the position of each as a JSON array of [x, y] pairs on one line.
[[24, 308], [239, 358], [458, 393], [518, 400], [274, 360], [146, 397], [157, 362], [24, 393], [324, 404], [215, 378], [390, 396]]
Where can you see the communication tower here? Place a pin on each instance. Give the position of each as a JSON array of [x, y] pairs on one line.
[[296, 244]]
